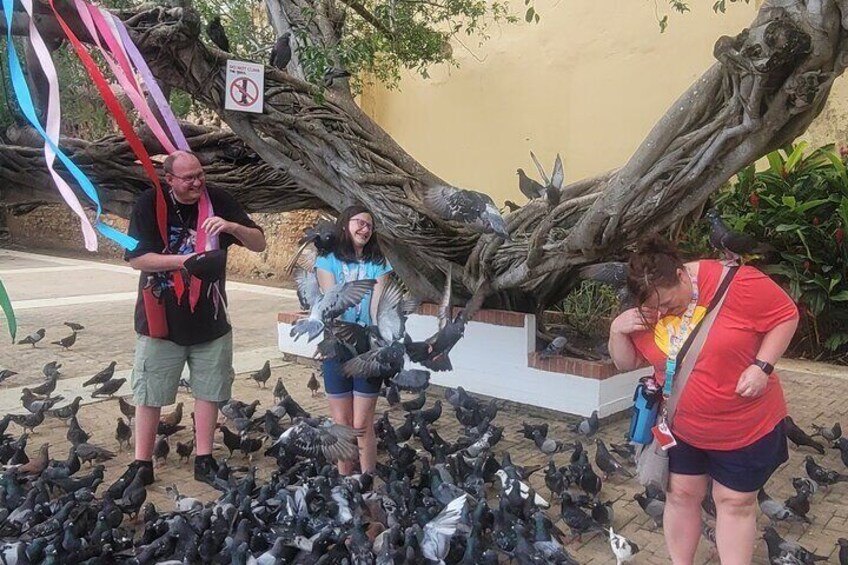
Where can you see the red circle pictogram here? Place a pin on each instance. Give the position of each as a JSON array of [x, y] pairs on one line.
[[244, 91]]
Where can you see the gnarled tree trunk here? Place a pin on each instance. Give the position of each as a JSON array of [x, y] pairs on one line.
[[767, 86]]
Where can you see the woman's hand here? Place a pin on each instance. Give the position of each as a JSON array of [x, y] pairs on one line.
[[633, 320], [752, 383]]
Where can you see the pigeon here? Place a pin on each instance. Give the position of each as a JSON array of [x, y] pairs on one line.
[[123, 433], [607, 463], [733, 244], [575, 518], [587, 427], [653, 507], [103, 376], [65, 412], [799, 437], [216, 32], [306, 285], [34, 403], [333, 73], [313, 385], [473, 209], [75, 326], [553, 185], [507, 484], [803, 484], [830, 434], [46, 388], [181, 501], [184, 450], [280, 390], [820, 475], [330, 305], [843, 551], [778, 546], [433, 352], [262, 375], [126, 408], [550, 446], [108, 388], [66, 342], [613, 274], [34, 338], [842, 445], [528, 429], [511, 206], [322, 236], [415, 404], [776, 511], [554, 348], [312, 436], [161, 449], [6, 373], [622, 548], [799, 504], [281, 53], [439, 531], [51, 369], [529, 187]]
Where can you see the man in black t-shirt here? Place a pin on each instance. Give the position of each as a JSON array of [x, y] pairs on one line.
[[181, 319]]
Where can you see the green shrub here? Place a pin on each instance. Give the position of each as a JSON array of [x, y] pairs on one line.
[[800, 206], [589, 309]]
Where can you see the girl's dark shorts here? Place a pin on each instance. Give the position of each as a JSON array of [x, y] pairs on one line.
[[744, 470], [339, 386]]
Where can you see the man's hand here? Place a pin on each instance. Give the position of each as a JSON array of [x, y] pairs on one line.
[[216, 225], [752, 383]]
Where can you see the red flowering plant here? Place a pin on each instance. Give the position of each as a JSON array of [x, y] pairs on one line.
[[799, 205]]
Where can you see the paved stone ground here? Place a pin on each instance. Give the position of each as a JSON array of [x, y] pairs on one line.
[[49, 291]]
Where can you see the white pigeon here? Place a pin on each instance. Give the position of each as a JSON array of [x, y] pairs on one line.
[[508, 484], [439, 531], [622, 548]]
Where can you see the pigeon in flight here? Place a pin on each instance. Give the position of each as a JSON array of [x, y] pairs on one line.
[[433, 352], [325, 307], [474, 209], [553, 185]]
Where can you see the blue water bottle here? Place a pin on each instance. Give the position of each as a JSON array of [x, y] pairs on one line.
[[646, 404]]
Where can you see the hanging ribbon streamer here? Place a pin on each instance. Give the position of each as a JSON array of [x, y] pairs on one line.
[[6, 305], [93, 21], [25, 102], [152, 86], [120, 117], [52, 120]]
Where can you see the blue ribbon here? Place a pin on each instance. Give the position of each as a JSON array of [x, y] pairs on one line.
[[28, 108]]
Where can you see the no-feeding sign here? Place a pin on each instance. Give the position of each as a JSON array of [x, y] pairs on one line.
[[245, 87]]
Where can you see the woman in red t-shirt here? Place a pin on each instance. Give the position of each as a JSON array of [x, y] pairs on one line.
[[729, 418]]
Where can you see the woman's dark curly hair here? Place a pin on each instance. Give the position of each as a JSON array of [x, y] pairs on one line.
[[652, 265], [344, 248]]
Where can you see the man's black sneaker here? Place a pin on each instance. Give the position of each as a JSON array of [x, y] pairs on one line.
[[116, 490], [206, 470]]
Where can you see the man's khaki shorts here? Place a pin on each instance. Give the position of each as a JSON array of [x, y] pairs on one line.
[[159, 364]]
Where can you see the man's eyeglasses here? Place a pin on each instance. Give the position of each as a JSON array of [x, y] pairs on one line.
[[190, 178], [360, 224]]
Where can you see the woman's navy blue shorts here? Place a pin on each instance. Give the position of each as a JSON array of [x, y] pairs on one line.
[[743, 470], [339, 386]]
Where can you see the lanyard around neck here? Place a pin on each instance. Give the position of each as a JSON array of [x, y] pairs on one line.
[[676, 338]]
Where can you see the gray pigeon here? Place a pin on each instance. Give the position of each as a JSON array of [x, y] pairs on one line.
[[555, 347], [529, 187], [622, 548], [33, 338], [731, 243], [474, 209], [330, 305], [587, 427], [333, 73], [439, 531], [108, 388], [776, 511]]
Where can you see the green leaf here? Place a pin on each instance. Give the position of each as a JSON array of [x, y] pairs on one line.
[[775, 160], [786, 227], [801, 208], [795, 156], [836, 341], [528, 17], [840, 296], [789, 201]]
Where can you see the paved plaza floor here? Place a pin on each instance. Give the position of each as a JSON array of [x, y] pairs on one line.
[[47, 291]]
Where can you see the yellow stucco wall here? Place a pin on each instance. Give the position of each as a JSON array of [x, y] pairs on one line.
[[589, 81]]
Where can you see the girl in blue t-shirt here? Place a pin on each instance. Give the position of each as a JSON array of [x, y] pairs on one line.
[[357, 256]]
